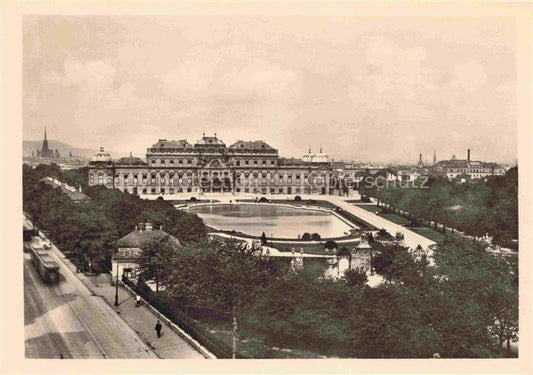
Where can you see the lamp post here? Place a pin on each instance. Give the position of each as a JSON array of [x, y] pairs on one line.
[[234, 351], [116, 281]]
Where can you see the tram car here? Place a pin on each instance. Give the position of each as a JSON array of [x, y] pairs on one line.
[[45, 265]]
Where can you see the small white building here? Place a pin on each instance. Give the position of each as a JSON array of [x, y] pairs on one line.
[[129, 248]]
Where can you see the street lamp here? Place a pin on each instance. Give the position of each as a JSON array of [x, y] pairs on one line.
[[234, 352], [116, 280]]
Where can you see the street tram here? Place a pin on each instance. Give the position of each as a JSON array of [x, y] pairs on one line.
[[45, 265]]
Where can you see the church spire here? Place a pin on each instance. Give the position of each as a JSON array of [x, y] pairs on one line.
[[434, 156], [45, 152]]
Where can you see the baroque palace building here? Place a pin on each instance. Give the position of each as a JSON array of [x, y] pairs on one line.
[[174, 167]]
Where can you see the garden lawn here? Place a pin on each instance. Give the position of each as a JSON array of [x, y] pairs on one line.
[[428, 233]]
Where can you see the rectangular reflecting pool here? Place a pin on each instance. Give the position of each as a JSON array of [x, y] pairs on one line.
[[274, 220]]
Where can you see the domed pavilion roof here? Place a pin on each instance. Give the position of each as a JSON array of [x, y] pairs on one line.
[[102, 156]]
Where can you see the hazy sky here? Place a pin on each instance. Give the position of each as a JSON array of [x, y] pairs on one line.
[[365, 88]]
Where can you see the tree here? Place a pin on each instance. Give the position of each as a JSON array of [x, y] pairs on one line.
[[503, 309], [330, 245], [306, 236], [394, 262], [221, 275], [315, 237], [263, 238], [355, 278], [155, 259], [480, 286], [297, 198]]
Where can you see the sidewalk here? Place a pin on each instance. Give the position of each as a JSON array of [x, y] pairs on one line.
[[140, 319], [143, 321]]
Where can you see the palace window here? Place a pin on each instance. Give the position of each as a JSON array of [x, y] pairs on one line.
[[255, 162], [171, 161], [180, 162], [162, 161], [264, 162], [238, 162], [189, 161], [246, 162], [152, 161]]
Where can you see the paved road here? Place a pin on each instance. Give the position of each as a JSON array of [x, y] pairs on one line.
[[67, 319]]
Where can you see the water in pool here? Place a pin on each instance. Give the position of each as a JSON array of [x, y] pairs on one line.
[[277, 221]]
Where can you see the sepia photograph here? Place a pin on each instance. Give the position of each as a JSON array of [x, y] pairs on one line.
[[237, 183]]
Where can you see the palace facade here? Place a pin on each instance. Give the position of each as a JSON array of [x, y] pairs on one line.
[[173, 167]]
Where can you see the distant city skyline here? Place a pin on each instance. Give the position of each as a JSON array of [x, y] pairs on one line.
[[377, 90], [426, 160]]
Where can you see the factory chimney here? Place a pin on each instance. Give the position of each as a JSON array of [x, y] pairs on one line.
[[468, 155]]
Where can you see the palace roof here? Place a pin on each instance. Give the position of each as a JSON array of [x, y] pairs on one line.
[[251, 145], [163, 143], [210, 141], [130, 160]]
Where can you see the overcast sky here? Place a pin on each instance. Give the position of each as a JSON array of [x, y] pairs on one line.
[[366, 89]]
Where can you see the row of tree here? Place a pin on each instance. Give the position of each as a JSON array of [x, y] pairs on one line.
[[464, 307], [89, 231], [478, 207]]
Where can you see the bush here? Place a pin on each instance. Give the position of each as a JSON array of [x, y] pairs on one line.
[[330, 245], [365, 199], [355, 278], [315, 237], [193, 199], [160, 198], [306, 237], [298, 198], [263, 199], [414, 223]]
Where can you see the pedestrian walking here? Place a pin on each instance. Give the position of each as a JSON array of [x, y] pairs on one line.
[[158, 328]]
